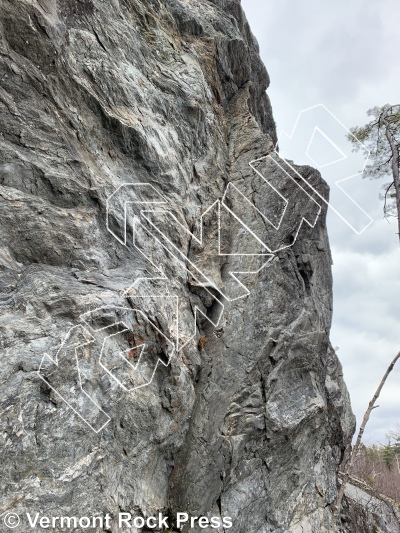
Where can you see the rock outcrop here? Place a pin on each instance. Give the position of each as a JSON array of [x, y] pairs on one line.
[[364, 509], [139, 372]]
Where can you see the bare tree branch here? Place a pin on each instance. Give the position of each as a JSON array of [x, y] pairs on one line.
[[348, 467], [385, 199], [382, 137], [395, 170]]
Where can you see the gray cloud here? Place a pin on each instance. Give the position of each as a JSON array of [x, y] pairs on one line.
[[345, 55]]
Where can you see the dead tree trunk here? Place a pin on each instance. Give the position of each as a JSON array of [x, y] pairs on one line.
[[395, 169], [354, 451]]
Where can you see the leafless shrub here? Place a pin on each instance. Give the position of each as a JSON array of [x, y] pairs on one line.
[[379, 466]]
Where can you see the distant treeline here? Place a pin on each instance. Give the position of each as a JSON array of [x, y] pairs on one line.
[[379, 466]]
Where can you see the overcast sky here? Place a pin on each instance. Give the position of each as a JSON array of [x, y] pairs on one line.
[[344, 55]]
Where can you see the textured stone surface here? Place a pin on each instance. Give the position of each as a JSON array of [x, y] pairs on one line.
[[366, 510], [251, 417]]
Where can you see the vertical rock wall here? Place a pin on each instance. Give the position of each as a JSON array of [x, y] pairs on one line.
[[198, 391]]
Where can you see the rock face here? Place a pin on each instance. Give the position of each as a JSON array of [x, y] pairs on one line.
[[366, 510], [139, 375]]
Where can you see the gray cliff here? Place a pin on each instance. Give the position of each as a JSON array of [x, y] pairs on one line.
[[138, 374]]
